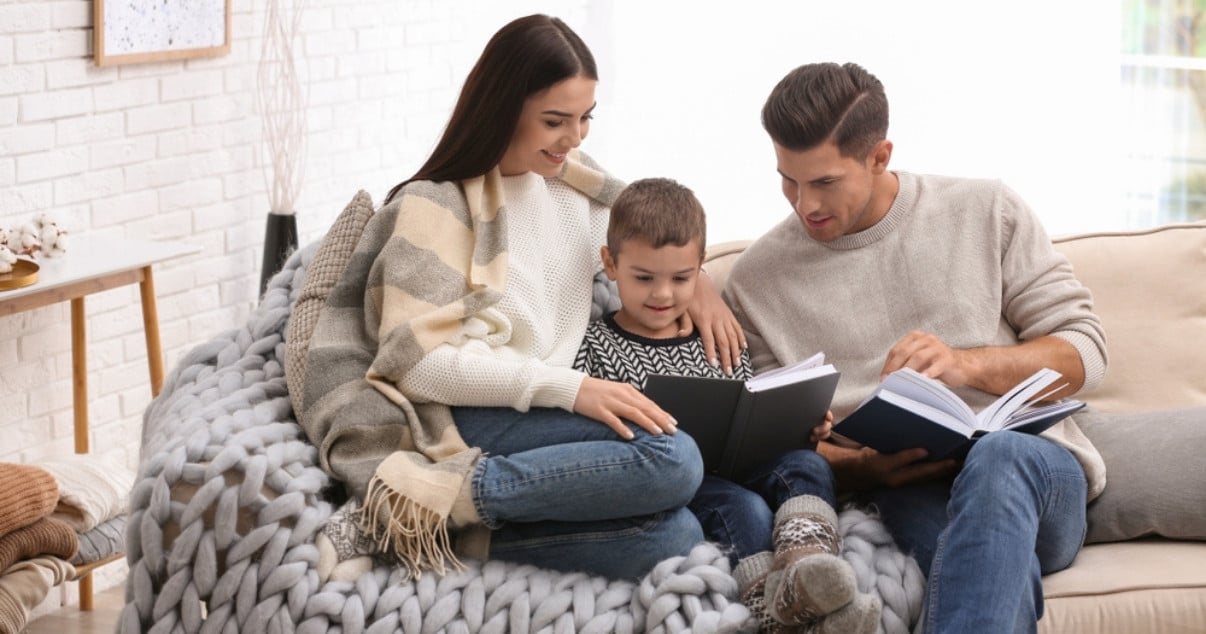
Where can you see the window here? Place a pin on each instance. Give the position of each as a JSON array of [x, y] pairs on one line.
[[1163, 81]]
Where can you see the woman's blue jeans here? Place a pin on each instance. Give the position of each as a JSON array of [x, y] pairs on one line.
[[1015, 512], [739, 514], [566, 492]]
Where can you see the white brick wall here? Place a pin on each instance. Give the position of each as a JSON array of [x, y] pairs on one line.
[[170, 150]]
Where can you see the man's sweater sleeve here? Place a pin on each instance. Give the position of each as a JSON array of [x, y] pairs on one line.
[[1041, 295]]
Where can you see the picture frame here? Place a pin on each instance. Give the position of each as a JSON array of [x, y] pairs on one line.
[[137, 31]]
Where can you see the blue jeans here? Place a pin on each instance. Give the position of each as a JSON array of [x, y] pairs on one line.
[[739, 514], [1015, 512], [566, 492]]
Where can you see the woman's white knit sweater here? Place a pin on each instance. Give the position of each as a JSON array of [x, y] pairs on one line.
[[519, 353]]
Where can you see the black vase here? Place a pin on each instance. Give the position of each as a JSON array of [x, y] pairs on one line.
[[280, 241]]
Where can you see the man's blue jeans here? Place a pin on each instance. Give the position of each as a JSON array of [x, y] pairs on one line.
[[740, 514], [1015, 512], [564, 491]]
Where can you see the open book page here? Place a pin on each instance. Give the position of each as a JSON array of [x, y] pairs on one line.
[[1052, 411], [920, 388], [926, 410], [808, 368], [997, 415]]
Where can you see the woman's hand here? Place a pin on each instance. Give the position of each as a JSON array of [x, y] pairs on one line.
[[717, 326], [611, 403], [825, 429]]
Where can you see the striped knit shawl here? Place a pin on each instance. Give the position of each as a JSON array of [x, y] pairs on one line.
[[432, 257]]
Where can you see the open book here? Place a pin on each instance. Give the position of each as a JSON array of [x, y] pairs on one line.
[[910, 410], [740, 424]]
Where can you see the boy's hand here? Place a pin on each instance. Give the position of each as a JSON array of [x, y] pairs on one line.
[[612, 403], [718, 328], [825, 429]]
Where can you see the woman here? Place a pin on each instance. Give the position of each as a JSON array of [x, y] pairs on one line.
[[476, 291]]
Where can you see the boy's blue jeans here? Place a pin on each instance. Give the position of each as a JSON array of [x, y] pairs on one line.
[[1015, 512], [566, 492], [739, 514]]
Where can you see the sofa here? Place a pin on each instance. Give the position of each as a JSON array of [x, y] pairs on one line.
[[1144, 568], [229, 497]]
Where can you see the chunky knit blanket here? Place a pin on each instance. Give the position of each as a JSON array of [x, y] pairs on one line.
[[230, 497]]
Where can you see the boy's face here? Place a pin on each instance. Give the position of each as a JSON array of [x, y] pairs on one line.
[[656, 285]]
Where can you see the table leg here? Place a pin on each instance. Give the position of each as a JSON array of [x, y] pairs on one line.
[[79, 374], [150, 328], [79, 392]]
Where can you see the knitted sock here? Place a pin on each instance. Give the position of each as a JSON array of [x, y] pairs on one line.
[[750, 574], [345, 550], [860, 616], [807, 579], [464, 512]]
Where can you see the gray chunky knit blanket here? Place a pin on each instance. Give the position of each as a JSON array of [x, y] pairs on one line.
[[229, 499]]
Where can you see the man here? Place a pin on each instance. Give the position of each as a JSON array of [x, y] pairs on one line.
[[956, 279]]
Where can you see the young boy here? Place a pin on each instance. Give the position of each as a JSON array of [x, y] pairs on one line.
[[778, 521]]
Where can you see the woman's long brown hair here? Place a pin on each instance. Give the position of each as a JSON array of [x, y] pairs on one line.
[[524, 57]]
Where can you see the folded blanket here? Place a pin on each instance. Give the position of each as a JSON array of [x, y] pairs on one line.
[[92, 488], [24, 585], [46, 536], [109, 538], [27, 494]]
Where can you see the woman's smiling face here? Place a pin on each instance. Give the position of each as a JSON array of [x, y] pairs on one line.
[[553, 122]]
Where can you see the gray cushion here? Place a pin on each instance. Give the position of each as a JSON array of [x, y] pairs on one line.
[[1156, 474]]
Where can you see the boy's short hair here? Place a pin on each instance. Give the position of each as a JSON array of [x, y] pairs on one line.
[[659, 211], [816, 103]]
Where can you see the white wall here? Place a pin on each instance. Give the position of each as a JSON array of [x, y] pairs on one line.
[[170, 150], [1021, 91]]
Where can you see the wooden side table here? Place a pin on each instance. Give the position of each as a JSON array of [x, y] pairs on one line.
[[91, 266]]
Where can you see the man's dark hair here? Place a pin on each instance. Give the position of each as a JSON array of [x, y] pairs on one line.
[[823, 102]]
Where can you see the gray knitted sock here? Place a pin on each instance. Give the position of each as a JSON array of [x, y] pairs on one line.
[[750, 574], [808, 579], [345, 549], [860, 616]]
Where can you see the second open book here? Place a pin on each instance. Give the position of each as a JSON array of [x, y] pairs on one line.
[[910, 410]]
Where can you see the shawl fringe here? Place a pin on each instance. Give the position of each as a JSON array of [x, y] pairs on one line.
[[416, 535]]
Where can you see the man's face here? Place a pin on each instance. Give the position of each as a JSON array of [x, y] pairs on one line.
[[831, 194]]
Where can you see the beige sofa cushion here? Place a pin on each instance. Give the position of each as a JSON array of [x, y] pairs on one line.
[[1150, 586], [1149, 288]]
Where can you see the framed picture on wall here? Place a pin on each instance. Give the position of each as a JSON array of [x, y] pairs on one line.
[[134, 31]]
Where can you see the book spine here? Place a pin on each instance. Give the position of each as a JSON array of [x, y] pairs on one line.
[[737, 432]]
